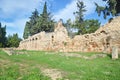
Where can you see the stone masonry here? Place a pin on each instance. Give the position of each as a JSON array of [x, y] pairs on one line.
[[102, 40]]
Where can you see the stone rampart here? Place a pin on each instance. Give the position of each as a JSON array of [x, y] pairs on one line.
[[103, 39]]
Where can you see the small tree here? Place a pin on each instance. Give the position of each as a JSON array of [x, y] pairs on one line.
[[92, 25], [13, 41]]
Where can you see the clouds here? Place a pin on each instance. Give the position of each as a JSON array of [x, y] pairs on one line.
[[15, 13], [18, 8], [67, 12], [16, 26]]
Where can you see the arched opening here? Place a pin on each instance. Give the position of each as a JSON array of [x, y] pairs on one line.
[[52, 38], [103, 32], [36, 38], [33, 39]]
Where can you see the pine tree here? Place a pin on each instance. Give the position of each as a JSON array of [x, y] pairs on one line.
[[2, 36], [33, 21], [1, 43], [117, 8], [113, 8], [79, 22], [37, 23], [26, 33], [45, 22]]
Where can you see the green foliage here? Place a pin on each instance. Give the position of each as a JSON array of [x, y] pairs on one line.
[[2, 36], [45, 22], [10, 41], [79, 21], [13, 41], [28, 31], [80, 12], [84, 26], [37, 23], [92, 25], [117, 8], [113, 8]]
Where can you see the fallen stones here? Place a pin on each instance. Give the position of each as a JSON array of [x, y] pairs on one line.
[[9, 51]]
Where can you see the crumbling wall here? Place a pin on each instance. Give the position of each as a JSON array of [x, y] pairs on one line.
[[103, 39]]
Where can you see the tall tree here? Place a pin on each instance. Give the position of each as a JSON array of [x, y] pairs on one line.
[[28, 30], [117, 8], [33, 21], [112, 8], [79, 22], [26, 33], [37, 23], [45, 22], [2, 35]]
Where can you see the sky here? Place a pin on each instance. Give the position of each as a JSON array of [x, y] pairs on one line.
[[15, 13]]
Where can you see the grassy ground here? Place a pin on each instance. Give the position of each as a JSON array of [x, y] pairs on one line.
[[26, 66]]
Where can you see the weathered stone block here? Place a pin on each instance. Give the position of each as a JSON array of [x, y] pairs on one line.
[[114, 52]]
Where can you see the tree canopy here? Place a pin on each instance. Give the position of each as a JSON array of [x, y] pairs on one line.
[[38, 23], [29, 27], [13, 40], [112, 8], [84, 26], [79, 20]]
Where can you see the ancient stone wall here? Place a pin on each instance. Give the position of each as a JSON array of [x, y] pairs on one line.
[[103, 39]]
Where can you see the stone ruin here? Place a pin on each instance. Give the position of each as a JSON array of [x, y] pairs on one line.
[[102, 40]]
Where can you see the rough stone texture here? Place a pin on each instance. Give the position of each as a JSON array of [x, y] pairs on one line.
[[47, 41], [9, 51], [114, 52], [103, 39]]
